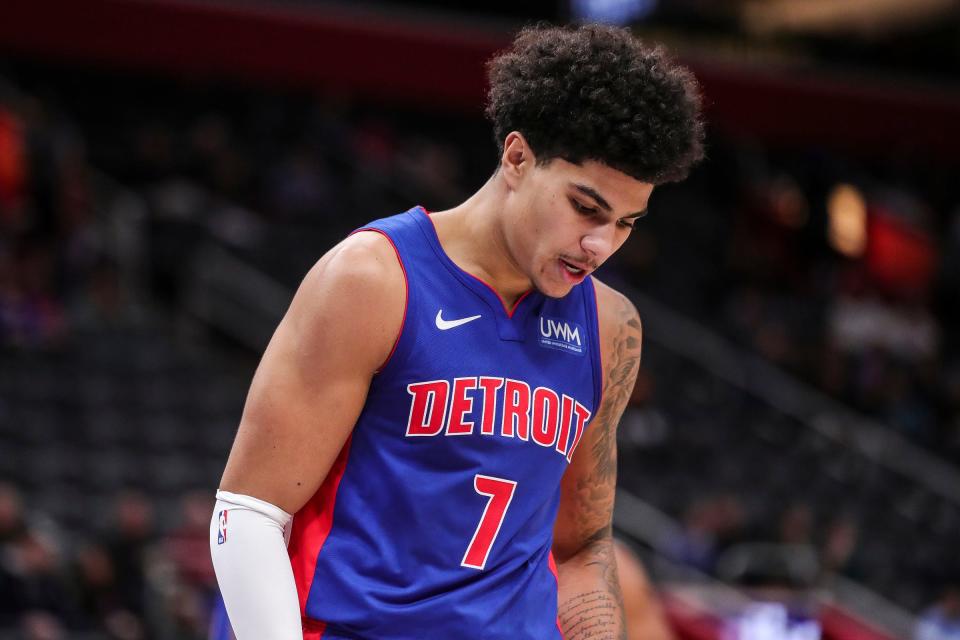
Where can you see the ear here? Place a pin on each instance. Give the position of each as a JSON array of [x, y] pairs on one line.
[[517, 160]]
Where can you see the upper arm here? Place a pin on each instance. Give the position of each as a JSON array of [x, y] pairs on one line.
[[589, 484], [312, 381]]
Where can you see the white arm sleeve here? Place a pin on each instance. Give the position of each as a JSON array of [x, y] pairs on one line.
[[250, 558]]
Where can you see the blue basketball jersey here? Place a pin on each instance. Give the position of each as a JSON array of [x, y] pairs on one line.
[[436, 519]]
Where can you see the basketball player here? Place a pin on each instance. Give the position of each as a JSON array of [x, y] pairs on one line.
[[437, 409]]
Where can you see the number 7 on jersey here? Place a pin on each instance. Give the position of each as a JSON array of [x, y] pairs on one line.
[[500, 493]]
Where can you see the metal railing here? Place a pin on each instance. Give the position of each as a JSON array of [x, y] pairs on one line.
[[812, 408]]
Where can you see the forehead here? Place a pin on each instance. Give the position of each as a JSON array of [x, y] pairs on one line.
[[624, 193]]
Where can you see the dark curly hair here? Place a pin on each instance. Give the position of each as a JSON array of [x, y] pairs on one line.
[[595, 92]]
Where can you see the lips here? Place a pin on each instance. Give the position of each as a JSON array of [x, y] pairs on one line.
[[572, 272], [582, 265]]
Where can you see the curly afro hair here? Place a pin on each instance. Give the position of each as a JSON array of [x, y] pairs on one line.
[[595, 92]]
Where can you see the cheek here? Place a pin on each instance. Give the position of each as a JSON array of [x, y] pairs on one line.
[[538, 227], [539, 220]]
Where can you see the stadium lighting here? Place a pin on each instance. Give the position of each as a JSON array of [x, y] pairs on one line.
[[847, 211]]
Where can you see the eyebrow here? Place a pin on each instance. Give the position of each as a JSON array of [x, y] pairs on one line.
[[590, 191]]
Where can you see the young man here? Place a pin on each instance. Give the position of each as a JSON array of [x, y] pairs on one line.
[[438, 407]]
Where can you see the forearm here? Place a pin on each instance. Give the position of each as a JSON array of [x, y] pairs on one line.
[[253, 569], [590, 604]]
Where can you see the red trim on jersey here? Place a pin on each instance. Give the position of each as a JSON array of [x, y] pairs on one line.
[[406, 294], [311, 526], [596, 304], [516, 304], [553, 569], [313, 629]]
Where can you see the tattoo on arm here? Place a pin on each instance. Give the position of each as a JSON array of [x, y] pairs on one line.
[[593, 493], [597, 614], [589, 615], [621, 375]]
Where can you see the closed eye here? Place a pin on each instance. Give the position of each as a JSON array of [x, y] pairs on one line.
[[582, 208], [627, 223]]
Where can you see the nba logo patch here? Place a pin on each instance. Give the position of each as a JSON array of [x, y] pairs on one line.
[[222, 528]]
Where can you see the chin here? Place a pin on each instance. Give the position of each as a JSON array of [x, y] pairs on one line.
[[552, 290]]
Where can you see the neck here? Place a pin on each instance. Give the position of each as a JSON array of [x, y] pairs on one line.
[[473, 236]]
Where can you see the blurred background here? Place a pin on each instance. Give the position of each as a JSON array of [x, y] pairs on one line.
[[169, 170]]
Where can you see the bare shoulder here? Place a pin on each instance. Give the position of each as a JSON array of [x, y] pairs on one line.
[[374, 246], [366, 260], [358, 286], [621, 332]]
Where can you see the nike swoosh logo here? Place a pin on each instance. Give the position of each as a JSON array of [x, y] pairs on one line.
[[443, 325]]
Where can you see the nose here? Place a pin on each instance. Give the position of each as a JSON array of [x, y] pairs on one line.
[[599, 243]]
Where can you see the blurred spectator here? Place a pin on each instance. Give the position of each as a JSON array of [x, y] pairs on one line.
[[31, 315], [42, 625], [40, 582], [858, 323], [796, 525], [188, 549], [12, 523], [840, 552], [709, 524], [127, 543], [102, 599], [298, 188], [641, 604], [96, 584], [643, 424], [697, 547], [102, 302], [12, 529], [942, 620], [188, 543], [46, 204], [431, 172]]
